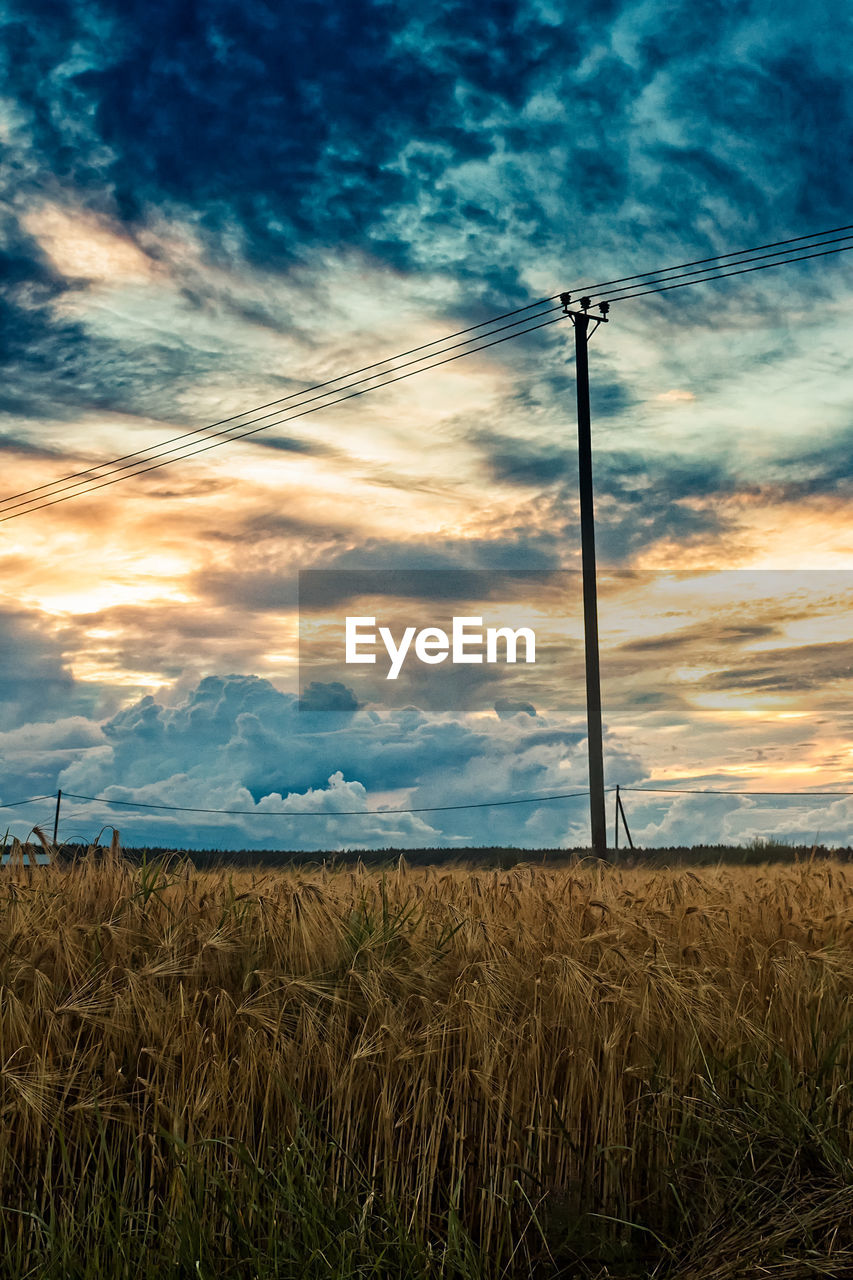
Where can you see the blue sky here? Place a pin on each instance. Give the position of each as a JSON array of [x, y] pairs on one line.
[[206, 207]]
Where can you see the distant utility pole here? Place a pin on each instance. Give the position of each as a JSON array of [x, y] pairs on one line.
[[56, 818], [580, 320]]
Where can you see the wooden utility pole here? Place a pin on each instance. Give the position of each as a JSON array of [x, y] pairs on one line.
[[580, 320], [56, 818], [620, 812]]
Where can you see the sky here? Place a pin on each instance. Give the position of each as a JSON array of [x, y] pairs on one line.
[[208, 207]]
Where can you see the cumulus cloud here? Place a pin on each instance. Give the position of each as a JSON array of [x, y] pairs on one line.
[[328, 697], [505, 708], [237, 743]]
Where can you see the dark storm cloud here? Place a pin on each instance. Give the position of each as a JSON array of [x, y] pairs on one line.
[[19, 446], [644, 502], [535, 442], [644, 495], [457, 136], [524, 462], [32, 757], [34, 346], [291, 444], [230, 109], [315, 126], [36, 682], [455, 569], [761, 99], [256, 528], [505, 708], [324, 589], [33, 675], [254, 586], [54, 367], [524, 548]]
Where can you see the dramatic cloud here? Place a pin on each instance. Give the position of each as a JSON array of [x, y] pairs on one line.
[[208, 208], [34, 675], [237, 743]]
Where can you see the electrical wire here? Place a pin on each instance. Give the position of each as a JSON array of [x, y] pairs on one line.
[[210, 427], [666, 282], [723, 274], [435, 808], [233, 433], [14, 804], [734, 253], [703, 271], [330, 813], [303, 413], [145, 455], [237, 433]]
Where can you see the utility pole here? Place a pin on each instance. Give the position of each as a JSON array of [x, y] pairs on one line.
[[580, 319], [56, 818]]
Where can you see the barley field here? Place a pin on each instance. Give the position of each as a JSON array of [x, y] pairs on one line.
[[578, 1072]]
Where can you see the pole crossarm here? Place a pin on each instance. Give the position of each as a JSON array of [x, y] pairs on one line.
[[585, 304]]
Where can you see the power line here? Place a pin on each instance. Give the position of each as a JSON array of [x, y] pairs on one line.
[[145, 455], [317, 386], [703, 271], [435, 808], [85, 486], [303, 413], [361, 813], [327, 813], [735, 253], [232, 434], [237, 433], [742, 271], [778, 244], [13, 804]]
